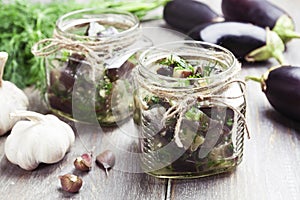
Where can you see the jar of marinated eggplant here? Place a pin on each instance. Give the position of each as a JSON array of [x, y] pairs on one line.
[[88, 76], [189, 109]]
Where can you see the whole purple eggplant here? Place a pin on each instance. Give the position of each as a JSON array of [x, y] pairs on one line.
[[261, 13], [281, 86], [244, 40], [186, 14]]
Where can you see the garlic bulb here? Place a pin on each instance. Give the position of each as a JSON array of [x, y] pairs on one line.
[[11, 99], [40, 139]]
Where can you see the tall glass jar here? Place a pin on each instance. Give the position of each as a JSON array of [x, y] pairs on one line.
[[190, 110], [85, 79]]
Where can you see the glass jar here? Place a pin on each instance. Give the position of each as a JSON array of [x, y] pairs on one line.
[[189, 109], [85, 79]]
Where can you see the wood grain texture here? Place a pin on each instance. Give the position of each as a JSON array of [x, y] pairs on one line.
[[43, 183], [269, 169]]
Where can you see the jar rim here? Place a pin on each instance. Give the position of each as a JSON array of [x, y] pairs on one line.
[[234, 63], [61, 19]]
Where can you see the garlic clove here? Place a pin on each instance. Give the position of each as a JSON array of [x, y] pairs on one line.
[[106, 160], [11, 99], [15, 152], [83, 162], [3, 59], [70, 183]]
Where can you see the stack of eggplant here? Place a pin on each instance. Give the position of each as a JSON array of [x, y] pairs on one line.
[[253, 30]]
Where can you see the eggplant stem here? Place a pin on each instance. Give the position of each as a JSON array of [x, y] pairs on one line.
[[291, 34], [260, 80], [278, 55], [276, 45], [274, 48], [253, 78], [285, 28], [3, 59]]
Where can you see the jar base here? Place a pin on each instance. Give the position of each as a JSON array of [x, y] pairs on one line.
[[166, 172], [192, 175], [105, 123]]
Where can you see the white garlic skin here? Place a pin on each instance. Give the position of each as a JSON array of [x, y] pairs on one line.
[[11, 100], [36, 141]]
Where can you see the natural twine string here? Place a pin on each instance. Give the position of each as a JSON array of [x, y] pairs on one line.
[[186, 102], [95, 50], [50, 46], [104, 44]]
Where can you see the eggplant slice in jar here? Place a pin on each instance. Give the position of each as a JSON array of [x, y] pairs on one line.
[[186, 14], [281, 86], [246, 41], [261, 13]]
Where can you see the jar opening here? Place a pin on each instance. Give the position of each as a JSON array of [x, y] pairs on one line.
[[74, 25], [219, 63]]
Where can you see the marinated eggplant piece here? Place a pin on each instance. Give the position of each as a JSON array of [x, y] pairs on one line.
[[165, 71], [281, 86], [176, 67], [120, 72], [62, 82], [246, 41], [94, 29], [261, 13], [186, 14], [97, 30]]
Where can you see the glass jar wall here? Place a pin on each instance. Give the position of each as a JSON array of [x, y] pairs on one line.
[[189, 109]]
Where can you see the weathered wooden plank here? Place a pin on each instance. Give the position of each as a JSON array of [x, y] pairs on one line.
[[270, 166], [269, 169], [123, 182]]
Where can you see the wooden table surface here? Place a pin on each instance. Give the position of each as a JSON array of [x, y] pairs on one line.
[[269, 170]]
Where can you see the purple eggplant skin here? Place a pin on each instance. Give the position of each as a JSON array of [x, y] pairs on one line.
[[240, 38], [194, 33], [237, 37], [261, 13], [282, 89], [186, 14]]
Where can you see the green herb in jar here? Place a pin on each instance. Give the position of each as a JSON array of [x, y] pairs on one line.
[[177, 67]]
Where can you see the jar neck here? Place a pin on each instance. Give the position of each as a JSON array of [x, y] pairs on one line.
[[150, 79], [73, 27]]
